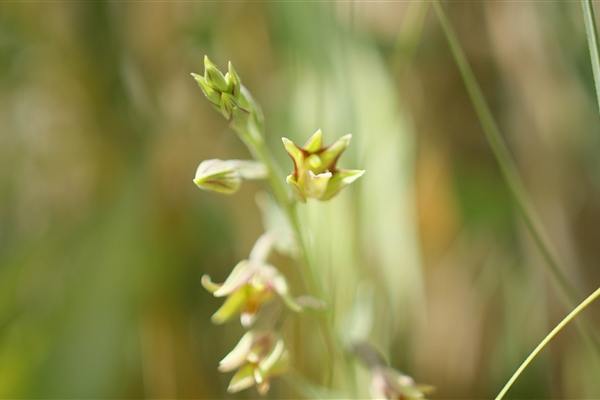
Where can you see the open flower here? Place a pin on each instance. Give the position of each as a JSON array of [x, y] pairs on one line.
[[251, 284], [258, 357], [315, 173]]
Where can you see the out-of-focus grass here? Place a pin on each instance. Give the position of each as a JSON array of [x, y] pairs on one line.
[[103, 236]]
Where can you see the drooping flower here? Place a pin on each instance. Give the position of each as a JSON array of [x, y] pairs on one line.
[[315, 172], [259, 356], [389, 384], [386, 382], [250, 285]]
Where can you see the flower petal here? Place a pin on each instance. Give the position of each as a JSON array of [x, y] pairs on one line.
[[210, 93], [264, 245], [226, 105], [242, 379], [315, 142], [340, 180], [296, 153], [209, 284], [296, 189], [213, 76], [235, 81], [230, 307], [316, 185], [266, 364], [238, 355], [240, 275], [330, 155]]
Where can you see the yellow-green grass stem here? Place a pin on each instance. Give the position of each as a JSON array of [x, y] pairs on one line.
[[592, 37], [547, 339]]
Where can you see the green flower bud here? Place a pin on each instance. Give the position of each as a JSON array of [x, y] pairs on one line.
[[218, 176], [210, 93], [227, 94], [236, 84], [315, 173], [226, 176], [213, 76]]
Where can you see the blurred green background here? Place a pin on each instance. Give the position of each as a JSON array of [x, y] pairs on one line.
[[104, 237]]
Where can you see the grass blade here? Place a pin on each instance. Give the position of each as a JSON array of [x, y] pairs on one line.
[[592, 36], [547, 339]]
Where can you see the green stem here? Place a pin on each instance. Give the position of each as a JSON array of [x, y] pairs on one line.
[[510, 171], [314, 285], [592, 36], [547, 339]]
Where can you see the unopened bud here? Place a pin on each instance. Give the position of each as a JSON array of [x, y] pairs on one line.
[[213, 76], [226, 176], [217, 176]]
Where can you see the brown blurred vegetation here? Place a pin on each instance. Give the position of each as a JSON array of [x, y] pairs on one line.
[[104, 237]]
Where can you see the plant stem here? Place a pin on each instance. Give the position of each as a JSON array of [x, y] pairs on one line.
[[511, 174], [547, 339], [592, 37], [314, 285]]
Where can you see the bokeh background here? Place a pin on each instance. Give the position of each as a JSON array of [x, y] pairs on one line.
[[104, 237]]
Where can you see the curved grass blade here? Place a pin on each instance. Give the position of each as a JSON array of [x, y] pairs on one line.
[[592, 37], [547, 339]]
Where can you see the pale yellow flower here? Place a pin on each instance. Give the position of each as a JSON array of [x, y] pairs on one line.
[[315, 172]]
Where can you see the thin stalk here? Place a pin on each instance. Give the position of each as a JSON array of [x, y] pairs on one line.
[[511, 174], [409, 34], [592, 37], [314, 286], [547, 339]]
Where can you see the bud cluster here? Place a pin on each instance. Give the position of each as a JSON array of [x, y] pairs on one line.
[[225, 92]]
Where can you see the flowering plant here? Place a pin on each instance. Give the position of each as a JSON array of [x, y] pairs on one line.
[[261, 353]]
